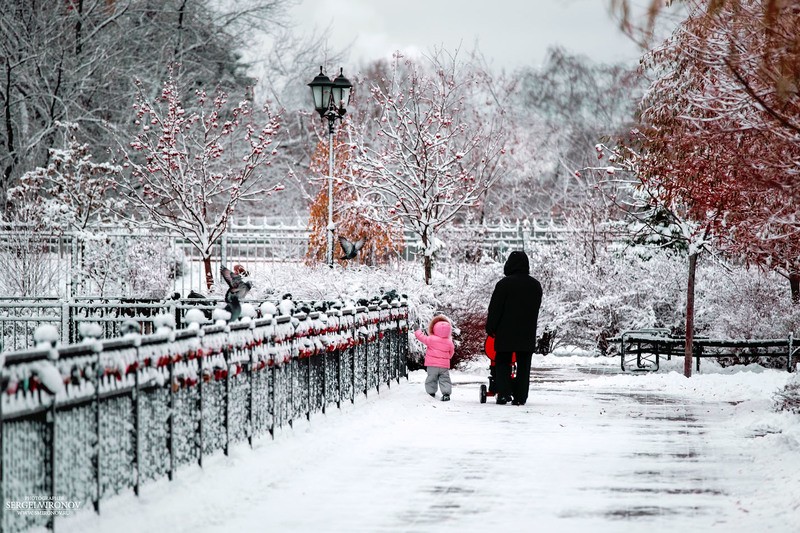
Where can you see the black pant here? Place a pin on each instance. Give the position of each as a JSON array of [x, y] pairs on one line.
[[502, 374], [519, 386], [523, 380]]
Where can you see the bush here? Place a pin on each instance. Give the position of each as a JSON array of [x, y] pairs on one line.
[[471, 336], [788, 399]]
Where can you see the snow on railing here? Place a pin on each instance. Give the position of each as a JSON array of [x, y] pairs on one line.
[[20, 317], [88, 420]]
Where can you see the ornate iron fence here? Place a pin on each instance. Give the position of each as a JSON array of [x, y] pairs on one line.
[[139, 408]]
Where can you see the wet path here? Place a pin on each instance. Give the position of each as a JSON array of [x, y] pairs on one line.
[[578, 457]]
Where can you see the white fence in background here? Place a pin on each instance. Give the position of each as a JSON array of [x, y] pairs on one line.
[[152, 262]]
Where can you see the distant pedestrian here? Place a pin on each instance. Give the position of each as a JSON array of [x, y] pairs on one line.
[[439, 350], [512, 317]]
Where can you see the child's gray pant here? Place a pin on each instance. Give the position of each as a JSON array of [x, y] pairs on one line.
[[438, 376]]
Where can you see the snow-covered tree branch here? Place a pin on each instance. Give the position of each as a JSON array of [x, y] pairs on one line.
[[435, 147], [192, 166]]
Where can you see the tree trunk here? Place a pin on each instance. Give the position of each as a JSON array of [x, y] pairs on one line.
[[427, 260], [209, 274], [9, 130], [428, 269], [79, 28], [794, 283], [687, 362]]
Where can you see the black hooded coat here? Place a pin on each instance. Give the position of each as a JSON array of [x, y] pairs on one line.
[[514, 307]]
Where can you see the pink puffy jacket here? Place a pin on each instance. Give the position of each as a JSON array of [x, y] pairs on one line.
[[440, 346]]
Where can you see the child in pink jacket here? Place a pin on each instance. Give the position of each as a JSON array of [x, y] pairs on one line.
[[439, 350]]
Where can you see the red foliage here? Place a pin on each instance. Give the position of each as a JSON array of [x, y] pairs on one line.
[[722, 134]]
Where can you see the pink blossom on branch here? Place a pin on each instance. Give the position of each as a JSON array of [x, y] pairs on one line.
[[192, 164]]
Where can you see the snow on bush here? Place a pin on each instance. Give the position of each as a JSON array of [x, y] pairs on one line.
[[788, 399], [134, 266], [195, 316]]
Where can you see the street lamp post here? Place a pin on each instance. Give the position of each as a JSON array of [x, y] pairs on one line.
[[330, 101]]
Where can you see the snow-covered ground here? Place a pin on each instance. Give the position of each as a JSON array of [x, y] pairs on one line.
[[593, 450]]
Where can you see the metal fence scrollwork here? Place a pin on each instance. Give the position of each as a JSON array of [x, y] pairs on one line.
[[139, 408]]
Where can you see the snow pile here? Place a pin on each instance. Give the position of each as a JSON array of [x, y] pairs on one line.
[[46, 335], [195, 318], [90, 330]]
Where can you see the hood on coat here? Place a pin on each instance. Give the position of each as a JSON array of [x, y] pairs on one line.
[[517, 263], [440, 327]]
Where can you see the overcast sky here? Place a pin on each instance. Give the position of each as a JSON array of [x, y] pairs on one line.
[[510, 33]]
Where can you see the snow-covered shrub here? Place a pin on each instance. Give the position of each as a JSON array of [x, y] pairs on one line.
[[788, 399], [151, 265], [138, 266], [744, 303], [30, 265], [588, 298]]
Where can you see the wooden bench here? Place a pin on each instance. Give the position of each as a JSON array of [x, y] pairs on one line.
[[641, 350]]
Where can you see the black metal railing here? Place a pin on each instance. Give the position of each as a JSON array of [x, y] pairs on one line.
[[139, 408]]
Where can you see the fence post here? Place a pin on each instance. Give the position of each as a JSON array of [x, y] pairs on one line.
[[324, 396], [200, 381], [252, 372], [366, 367], [353, 351], [308, 387], [339, 377], [99, 380], [290, 399], [137, 426], [171, 425], [52, 422], [791, 346], [378, 363], [225, 353], [271, 383], [65, 322]]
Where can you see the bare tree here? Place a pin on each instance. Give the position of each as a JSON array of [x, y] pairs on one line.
[[432, 154], [75, 61], [576, 103]]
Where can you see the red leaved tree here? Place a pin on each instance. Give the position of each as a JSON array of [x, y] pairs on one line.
[[723, 130], [192, 165]]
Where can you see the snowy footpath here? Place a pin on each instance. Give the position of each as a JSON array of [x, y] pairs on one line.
[[594, 450]]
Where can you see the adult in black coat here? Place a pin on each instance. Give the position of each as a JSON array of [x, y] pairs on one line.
[[513, 313]]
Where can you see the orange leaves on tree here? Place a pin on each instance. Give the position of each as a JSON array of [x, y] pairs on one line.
[[382, 241]]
